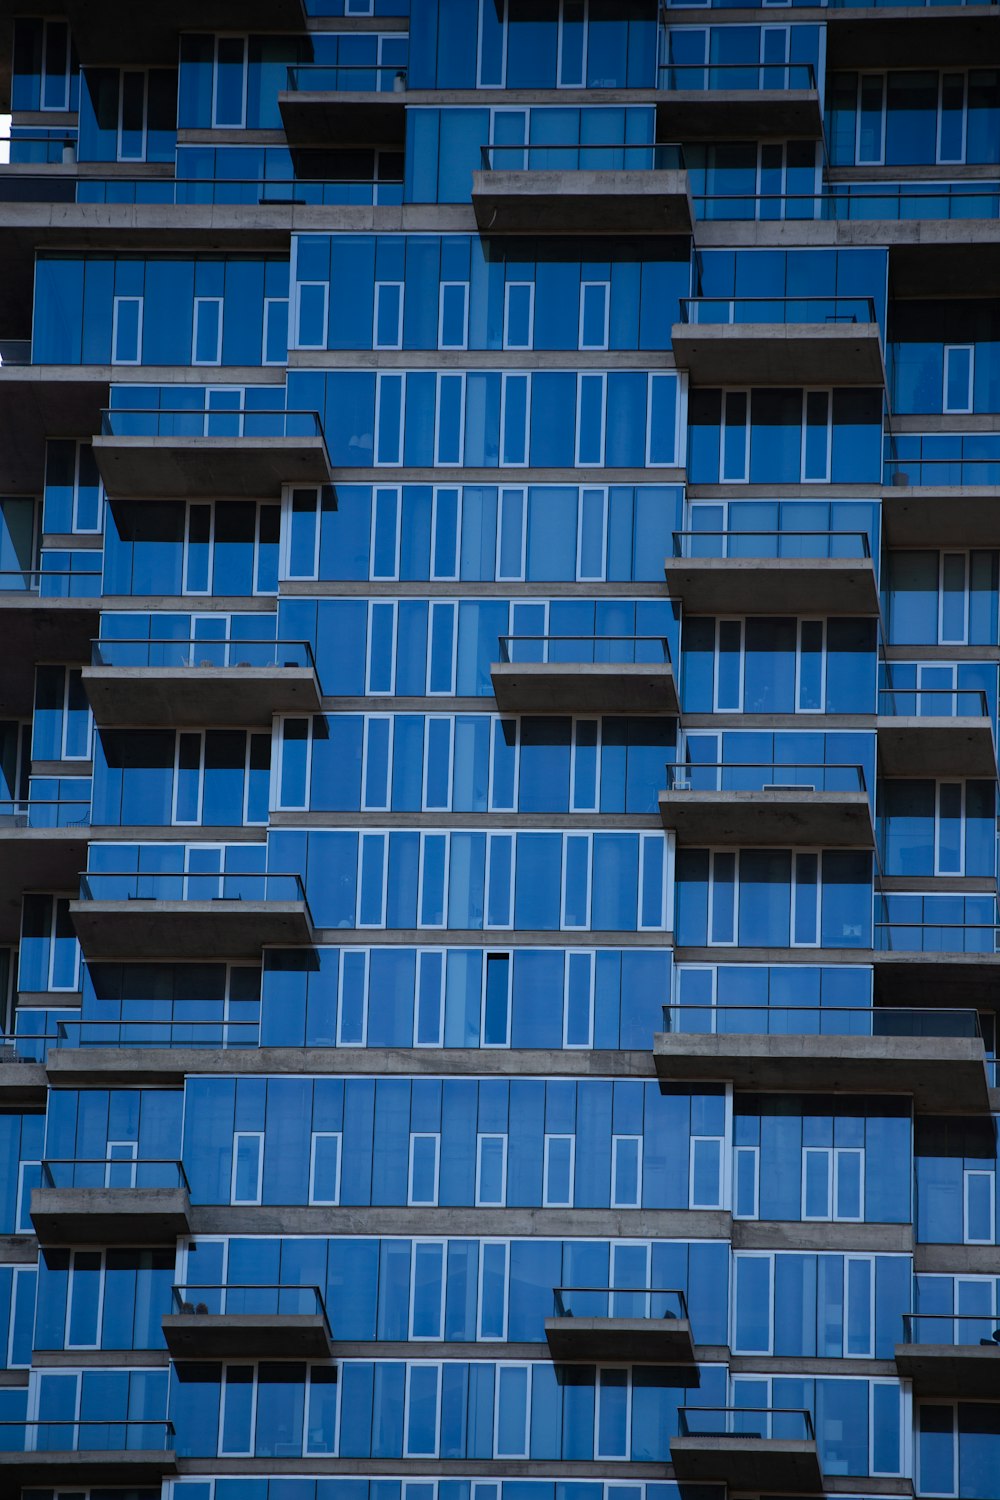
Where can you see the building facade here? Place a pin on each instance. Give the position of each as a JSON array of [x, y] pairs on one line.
[[498, 859]]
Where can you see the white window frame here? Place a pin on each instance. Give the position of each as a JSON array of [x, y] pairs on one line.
[[438, 572], [591, 463], [493, 835], [396, 491], [560, 82], [384, 804], [229, 124], [581, 576], [869, 1351], [695, 1141], [301, 286], [195, 822], [443, 287], [420, 1242], [531, 314], [484, 1136], [448, 720], [547, 1201], [377, 838], [239, 1135], [823, 478], [252, 1430], [118, 300], [728, 708], [489, 953], [199, 303], [585, 287], [144, 75], [433, 833], [285, 548], [939, 156], [967, 1174], [944, 640], [743, 477], [824, 660], [732, 942], [938, 785], [434, 607], [876, 161], [505, 1246], [45, 75], [586, 840], [742, 1257], [278, 804], [380, 288], [22, 1212], [314, 1138], [424, 1135], [967, 407], [31, 1270], [661, 847], [577, 804], [506, 376], [71, 1284], [613, 1457], [458, 377], [350, 1040], [501, 1366], [794, 888], [753, 1154], [588, 954], [422, 955], [270, 302], [393, 606], [503, 491], [616, 1142]]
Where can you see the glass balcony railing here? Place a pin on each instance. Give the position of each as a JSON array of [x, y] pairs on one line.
[[618, 1302], [933, 703], [42, 812], [583, 650], [52, 583], [765, 545], [201, 886], [817, 1020], [116, 1172], [820, 310], [937, 937], [735, 776], [975, 1329], [108, 1436], [262, 654], [859, 200], [355, 78], [243, 192], [505, 156], [938, 472], [791, 1423], [218, 1034], [755, 77], [232, 1300], [151, 423]]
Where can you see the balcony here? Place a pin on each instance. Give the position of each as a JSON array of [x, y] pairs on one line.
[[588, 189], [23, 1081], [568, 674], [118, 32], [936, 501], [111, 1202], [248, 1322], [84, 1453], [951, 1356], [761, 1450], [930, 732], [645, 1326], [783, 805], [37, 401], [935, 1055], [178, 916], [43, 846], [898, 36], [47, 615], [344, 106], [779, 340], [726, 101], [192, 682], [773, 572], [917, 960], [209, 455]]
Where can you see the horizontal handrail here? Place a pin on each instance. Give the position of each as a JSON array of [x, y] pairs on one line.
[[513, 156], [198, 1300], [592, 1296], [804, 309], [221, 422], [886, 201], [885, 1022], [978, 938], [607, 649], [140, 651], [178, 885], [325, 77], [46, 812], [128, 1434], [709, 1421], [767, 76], [942, 471], [911, 1320], [940, 703], [56, 1169], [712, 776], [731, 544]]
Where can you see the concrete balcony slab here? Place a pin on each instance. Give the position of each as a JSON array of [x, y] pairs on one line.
[[36, 859], [22, 1083], [110, 1216], [773, 585], [939, 1072], [646, 201], [152, 928], [917, 746], [955, 515], [82, 1468], [36, 402], [339, 117], [966, 1372], [782, 816], [119, 31], [922, 978], [247, 1336], [757, 1465], [244, 696], [157, 468], [665, 1341], [779, 353], [729, 114], [584, 687]]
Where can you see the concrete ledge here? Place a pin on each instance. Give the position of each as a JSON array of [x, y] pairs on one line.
[[773, 585], [35, 629], [584, 687], [247, 1336], [664, 1341], [727, 114], [110, 1216], [646, 201], [909, 745], [37, 859], [188, 929], [909, 37], [965, 1371], [789, 816], [779, 353], [245, 696], [137, 1466], [38, 400], [922, 979], [945, 1075], [22, 1083], [939, 515], [759, 1465], [338, 117], [250, 468]]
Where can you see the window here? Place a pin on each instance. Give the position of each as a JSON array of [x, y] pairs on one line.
[[85, 1300], [626, 1171], [352, 999], [734, 460], [385, 538], [949, 828], [274, 338], [578, 1000], [592, 535], [953, 598], [558, 1170], [518, 314], [453, 315], [833, 1183], [513, 1391], [515, 401], [959, 373], [389, 419], [979, 1207], [491, 1171], [439, 745], [746, 1182], [248, 1166], [428, 1020], [870, 142], [126, 331], [388, 329], [302, 512], [591, 392], [238, 1410], [952, 117], [512, 530], [496, 1001], [614, 1413], [446, 531], [120, 1164], [492, 1318], [208, 330], [576, 881], [311, 307], [571, 69], [425, 1153], [55, 91], [817, 423], [422, 1410], [229, 83], [427, 1289], [132, 94], [595, 305], [705, 1184], [324, 1167]]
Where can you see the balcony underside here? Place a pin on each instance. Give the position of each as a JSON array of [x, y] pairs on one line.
[[773, 585], [728, 114], [205, 468], [928, 979], [244, 696], [910, 37], [937, 1071], [36, 859], [940, 515], [22, 1083], [334, 117], [110, 1216], [783, 817], [582, 202], [927, 747], [35, 629], [779, 353], [665, 1341], [113, 32], [136, 1466], [188, 929], [756, 1465], [42, 401], [968, 1372], [584, 687], [247, 1336]]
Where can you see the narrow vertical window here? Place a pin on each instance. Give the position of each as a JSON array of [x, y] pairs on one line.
[[816, 441], [425, 1153], [324, 1167], [595, 301], [626, 1171], [126, 331], [208, 330], [959, 372], [453, 315], [870, 146], [491, 1171], [311, 304], [558, 1169], [388, 325], [518, 314], [229, 104], [735, 456], [590, 412], [248, 1163], [496, 1001]]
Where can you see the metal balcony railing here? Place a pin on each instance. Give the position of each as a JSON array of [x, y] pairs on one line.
[[358, 78], [569, 650], [766, 545], [792, 1423], [735, 776], [819, 310], [817, 1020], [43, 812], [933, 703], [937, 937], [753, 77], [262, 654], [931, 473], [111, 1435], [116, 1172], [125, 422], [332, 192], [975, 1329], [619, 1302], [503, 156], [106, 885], [52, 583], [859, 200], [219, 1034], [278, 1299]]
